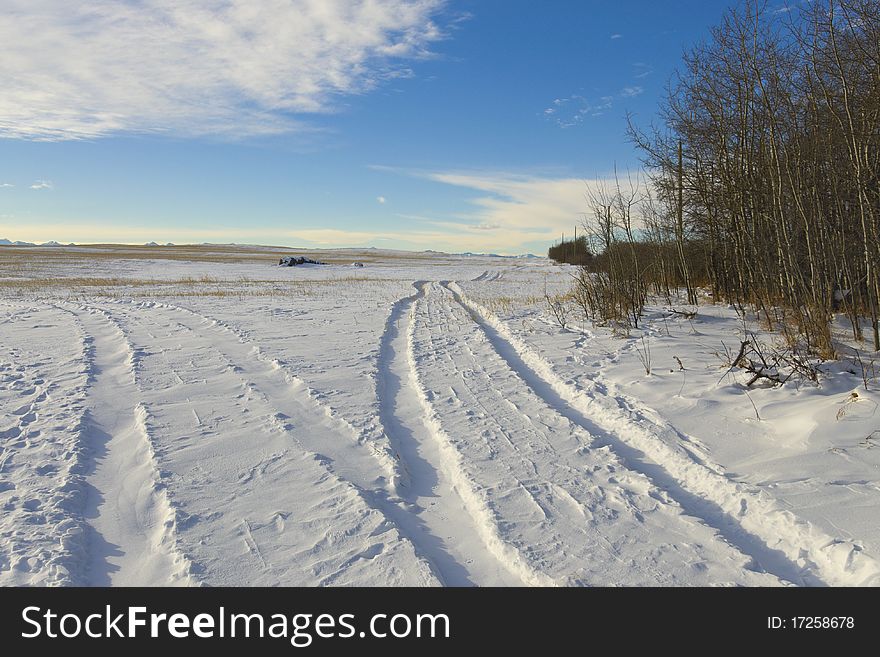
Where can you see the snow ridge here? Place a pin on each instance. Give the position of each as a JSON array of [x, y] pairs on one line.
[[381, 453], [474, 501], [133, 509], [817, 557], [353, 464]]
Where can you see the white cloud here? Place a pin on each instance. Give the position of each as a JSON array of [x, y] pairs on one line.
[[642, 70], [79, 70], [381, 199], [6, 185], [533, 205], [571, 111], [513, 211], [616, 36], [42, 184], [517, 211]]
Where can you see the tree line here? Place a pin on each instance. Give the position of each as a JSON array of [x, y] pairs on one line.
[[575, 251], [762, 178]]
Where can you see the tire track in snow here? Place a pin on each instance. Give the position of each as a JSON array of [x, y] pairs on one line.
[[283, 388], [132, 540], [781, 543], [336, 446], [575, 513], [489, 276], [423, 504], [448, 522]]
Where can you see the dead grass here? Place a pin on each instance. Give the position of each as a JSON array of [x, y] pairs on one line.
[[11, 256], [90, 270], [79, 281], [202, 286], [507, 304]]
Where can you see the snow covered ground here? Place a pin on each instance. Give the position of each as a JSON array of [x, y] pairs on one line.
[[199, 415]]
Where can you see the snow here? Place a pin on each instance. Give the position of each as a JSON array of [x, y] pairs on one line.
[[206, 417]]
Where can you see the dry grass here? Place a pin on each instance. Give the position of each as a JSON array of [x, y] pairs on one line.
[[17, 256], [508, 304], [66, 270], [93, 271], [203, 286]]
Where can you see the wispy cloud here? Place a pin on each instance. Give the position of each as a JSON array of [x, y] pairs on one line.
[[84, 70], [381, 200], [642, 70], [6, 185], [512, 213], [42, 184], [573, 110], [616, 36]]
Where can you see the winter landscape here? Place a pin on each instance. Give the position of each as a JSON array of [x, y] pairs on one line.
[[423, 293], [202, 416]]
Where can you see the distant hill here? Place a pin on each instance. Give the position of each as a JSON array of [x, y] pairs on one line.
[[5, 242], [469, 254]]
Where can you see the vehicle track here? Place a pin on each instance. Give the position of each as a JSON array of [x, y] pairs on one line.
[[423, 503], [452, 536], [132, 541], [572, 509], [289, 414], [781, 543]]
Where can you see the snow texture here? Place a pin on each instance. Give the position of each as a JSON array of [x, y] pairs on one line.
[[421, 423]]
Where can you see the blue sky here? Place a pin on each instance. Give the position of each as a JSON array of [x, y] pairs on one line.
[[457, 126]]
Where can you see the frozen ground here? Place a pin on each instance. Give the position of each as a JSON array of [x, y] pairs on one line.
[[199, 415]]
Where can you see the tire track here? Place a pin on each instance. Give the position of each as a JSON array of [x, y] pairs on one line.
[[781, 543], [423, 504], [324, 437], [451, 525], [283, 388], [132, 540], [576, 513]]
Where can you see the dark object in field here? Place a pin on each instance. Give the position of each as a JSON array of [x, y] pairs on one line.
[[293, 261]]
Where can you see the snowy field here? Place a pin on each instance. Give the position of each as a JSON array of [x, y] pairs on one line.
[[201, 416]]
